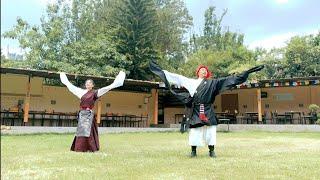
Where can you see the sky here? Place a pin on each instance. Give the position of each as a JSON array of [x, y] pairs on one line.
[[265, 23]]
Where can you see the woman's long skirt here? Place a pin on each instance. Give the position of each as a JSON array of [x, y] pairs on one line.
[[87, 144]]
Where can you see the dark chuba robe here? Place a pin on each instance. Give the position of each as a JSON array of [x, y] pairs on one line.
[[91, 143], [205, 95]]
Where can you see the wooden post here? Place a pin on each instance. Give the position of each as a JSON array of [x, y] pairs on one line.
[[27, 102], [155, 103], [99, 112], [259, 105]]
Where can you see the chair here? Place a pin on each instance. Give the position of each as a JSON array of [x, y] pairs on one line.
[[60, 118], [240, 119], [289, 117], [313, 118], [297, 117], [103, 120], [251, 118], [267, 118], [306, 117], [281, 118], [276, 118], [144, 120], [137, 120], [110, 120], [245, 119], [7, 118]]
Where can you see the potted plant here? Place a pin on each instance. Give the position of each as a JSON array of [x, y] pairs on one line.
[[314, 113], [318, 121]]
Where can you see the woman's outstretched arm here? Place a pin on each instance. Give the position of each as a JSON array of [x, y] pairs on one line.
[[72, 88], [116, 83]]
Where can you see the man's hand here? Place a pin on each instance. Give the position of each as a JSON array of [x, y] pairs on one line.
[[255, 69]]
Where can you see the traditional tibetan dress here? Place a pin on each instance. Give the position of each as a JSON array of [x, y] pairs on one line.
[[200, 116], [87, 139]]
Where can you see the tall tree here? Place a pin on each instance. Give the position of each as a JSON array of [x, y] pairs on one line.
[[219, 48], [215, 36], [135, 24]]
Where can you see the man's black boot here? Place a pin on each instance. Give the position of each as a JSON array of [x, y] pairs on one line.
[[211, 152], [193, 151]]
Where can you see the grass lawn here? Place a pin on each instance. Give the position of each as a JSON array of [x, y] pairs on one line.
[[241, 155]]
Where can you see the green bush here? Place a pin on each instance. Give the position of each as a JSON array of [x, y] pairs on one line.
[[314, 107], [314, 112], [318, 121]]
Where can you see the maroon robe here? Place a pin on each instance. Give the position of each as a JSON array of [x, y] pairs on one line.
[[91, 143]]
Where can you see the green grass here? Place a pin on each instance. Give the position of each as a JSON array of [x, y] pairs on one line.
[[241, 155]]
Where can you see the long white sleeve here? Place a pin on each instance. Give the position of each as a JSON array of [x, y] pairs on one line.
[[181, 81], [116, 83], [73, 89]]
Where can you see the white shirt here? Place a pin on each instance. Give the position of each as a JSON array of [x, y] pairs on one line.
[[181, 81], [79, 92]]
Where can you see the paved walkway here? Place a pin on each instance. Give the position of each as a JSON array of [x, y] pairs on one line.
[[276, 127], [102, 130], [174, 128], [268, 127]]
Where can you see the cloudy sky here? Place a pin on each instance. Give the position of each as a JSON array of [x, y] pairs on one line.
[[265, 23]]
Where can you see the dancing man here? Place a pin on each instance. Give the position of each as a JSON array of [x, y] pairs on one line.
[[199, 115]]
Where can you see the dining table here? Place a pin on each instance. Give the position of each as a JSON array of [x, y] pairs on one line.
[[292, 113]]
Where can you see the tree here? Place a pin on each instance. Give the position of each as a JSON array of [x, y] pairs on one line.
[[221, 50], [135, 24], [275, 64], [102, 37], [3, 57], [221, 63], [216, 37], [68, 40], [303, 56], [173, 21]]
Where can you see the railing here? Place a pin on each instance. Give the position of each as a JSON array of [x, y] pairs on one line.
[[289, 117], [40, 118], [123, 121]]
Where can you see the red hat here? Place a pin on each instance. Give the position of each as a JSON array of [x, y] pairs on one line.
[[209, 74]]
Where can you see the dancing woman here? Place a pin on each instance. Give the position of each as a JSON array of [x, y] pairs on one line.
[[86, 138]]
